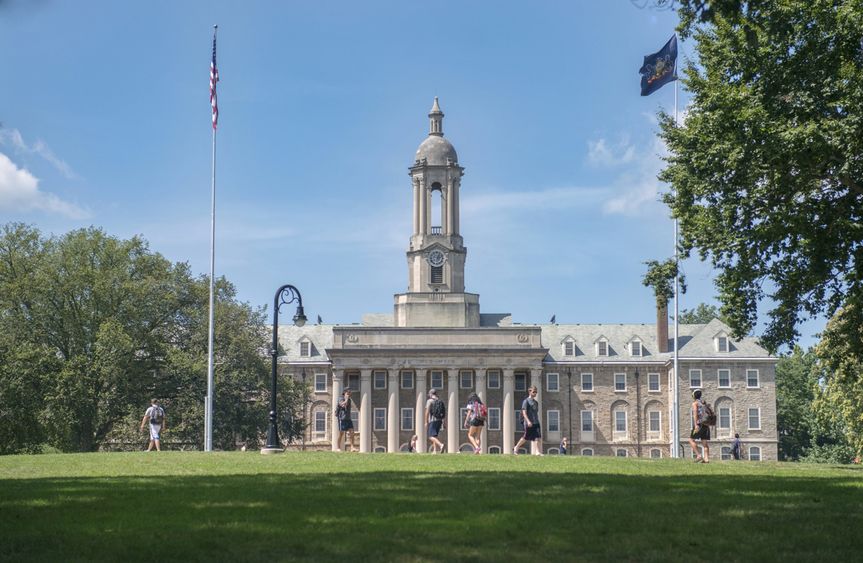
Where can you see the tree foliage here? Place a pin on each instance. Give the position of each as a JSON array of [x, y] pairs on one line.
[[767, 168], [92, 327], [700, 315], [660, 276]]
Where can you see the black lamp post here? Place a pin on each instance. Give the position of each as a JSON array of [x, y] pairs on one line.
[[285, 295]]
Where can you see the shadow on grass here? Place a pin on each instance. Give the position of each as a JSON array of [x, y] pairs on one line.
[[479, 516]]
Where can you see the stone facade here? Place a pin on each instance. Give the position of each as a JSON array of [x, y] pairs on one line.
[[607, 388]]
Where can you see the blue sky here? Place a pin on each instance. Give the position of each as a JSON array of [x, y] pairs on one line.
[[106, 122]]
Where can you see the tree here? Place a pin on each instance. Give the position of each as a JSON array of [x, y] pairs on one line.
[[92, 327], [702, 314], [796, 384], [767, 168]]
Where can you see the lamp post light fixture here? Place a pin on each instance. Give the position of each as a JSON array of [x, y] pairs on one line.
[[285, 295]]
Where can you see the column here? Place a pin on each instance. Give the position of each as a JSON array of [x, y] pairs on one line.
[[420, 410], [423, 200], [450, 210], [536, 380], [338, 378], [508, 411], [416, 186], [480, 390], [455, 206], [393, 411], [365, 411], [453, 424]]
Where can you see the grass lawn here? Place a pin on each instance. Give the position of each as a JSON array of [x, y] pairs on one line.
[[353, 507]]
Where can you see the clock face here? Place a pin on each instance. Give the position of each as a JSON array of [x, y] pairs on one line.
[[435, 258]]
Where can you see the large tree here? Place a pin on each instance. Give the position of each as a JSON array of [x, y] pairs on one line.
[[766, 169], [92, 327]]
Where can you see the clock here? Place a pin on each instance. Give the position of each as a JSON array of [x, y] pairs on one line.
[[435, 257]]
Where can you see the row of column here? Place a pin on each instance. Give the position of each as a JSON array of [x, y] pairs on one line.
[[454, 423]]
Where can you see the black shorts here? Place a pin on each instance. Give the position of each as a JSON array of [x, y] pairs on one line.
[[475, 422], [346, 424], [532, 433], [434, 428], [701, 432]]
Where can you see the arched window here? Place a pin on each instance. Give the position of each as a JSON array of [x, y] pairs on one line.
[[466, 448], [437, 209], [655, 453], [587, 452], [494, 450], [754, 453], [380, 450]]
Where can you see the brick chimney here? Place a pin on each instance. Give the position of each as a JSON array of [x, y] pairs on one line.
[[662, 325]]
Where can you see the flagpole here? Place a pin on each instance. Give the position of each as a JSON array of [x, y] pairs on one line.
[[675, 446], [208, 408]]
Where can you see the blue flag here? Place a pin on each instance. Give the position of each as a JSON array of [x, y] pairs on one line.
[[659, 68]]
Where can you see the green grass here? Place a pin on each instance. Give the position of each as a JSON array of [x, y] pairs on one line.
[[352, 507]]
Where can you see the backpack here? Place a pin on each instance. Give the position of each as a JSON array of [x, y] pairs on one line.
[[157, 415], [708, 417], [437, 410], [480, 412]]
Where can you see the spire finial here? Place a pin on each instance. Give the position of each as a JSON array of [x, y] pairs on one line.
[[436, 119]]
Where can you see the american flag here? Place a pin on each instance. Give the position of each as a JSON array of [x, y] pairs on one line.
[[214, 78]]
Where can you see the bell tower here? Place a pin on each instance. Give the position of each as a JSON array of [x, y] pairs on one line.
[[436, 254]]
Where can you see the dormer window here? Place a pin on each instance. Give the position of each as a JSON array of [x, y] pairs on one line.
[[721, 342], [602, 347], [635, 348], [305, 349], [569, 347]]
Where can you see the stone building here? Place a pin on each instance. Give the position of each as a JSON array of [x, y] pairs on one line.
[[606, 387]]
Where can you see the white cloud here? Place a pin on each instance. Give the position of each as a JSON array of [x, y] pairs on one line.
[[19, 192], [601, 153], [12, 137], [551, 198], [636, 190]]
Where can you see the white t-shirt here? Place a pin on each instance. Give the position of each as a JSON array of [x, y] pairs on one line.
[[153, 412]]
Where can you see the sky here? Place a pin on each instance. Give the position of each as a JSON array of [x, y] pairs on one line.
[[106, 122]]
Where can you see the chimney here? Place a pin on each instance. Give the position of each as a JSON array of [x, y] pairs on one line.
[[662, 325]]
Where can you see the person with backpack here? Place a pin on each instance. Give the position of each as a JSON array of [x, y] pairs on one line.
[[474, 420], [155, 415], [530, 417], [736, 446], [346, 424], [702, 418], [435, 417]]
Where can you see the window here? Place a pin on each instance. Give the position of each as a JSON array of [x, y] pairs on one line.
[[755, 418], [587, 421], [721, 343], [320, 425], [494, 419], [553, 451], [552, 382], [355, 417], [655, 453], [437, 380], [754, 453], [751, 378], [462, 413], [653, 382], [519, 421], [620, 421], [407, 419], [620, 382], [654, 421], [569, 348], [493, 379], [553, 421], [587, 451], [380, 379], [635, 347], [437, 274], [353, 381], [494, 450], [380, 450], [725, 453], [305, 349], [695, 378], [587, 382], [724, 376], [407, 380], [380, 419], [320, 383], [620, 452], [724, 418], [465, 379], [520, 382], [602, 348]]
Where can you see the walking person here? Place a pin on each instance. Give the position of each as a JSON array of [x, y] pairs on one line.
[[155, 415], [563, 444], [474, 420], [530, 418], [346, 424], [435, 416], [736, 446], [700, 428], [412, 445]]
